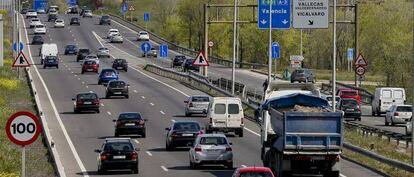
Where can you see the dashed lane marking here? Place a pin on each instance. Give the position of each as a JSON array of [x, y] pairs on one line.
[[149, 153], [162, 112], [163, 168]]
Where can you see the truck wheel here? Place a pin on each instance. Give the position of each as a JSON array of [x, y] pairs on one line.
[[373, 113], [331, 174], [229, 165], [378, 113], [240, 132], [386, 122]]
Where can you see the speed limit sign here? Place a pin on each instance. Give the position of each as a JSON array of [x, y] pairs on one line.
[[23, 128], [210, 44]]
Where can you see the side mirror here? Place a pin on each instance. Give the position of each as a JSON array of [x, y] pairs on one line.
[[73, 99], [97, 151], [185, 101], [145, 120], [168, 129]]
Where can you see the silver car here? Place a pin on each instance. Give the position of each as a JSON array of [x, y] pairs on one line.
[[103, 52], [398, 114], [196, 105], [116, 38], [211, 149], [92, 57]]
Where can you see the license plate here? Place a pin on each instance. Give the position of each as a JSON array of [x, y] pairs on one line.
[[187, 134], [87, 103], [129, 124], [119, 157], [89, 69], [318, 158], [119, 68], [117, 93], [350, 109]]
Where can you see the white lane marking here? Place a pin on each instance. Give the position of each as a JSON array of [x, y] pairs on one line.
[[62, 126], [102, 104], [73, 35], [78, 78], [143, 97], [86, 86], [163, 168], [51, 39], [162, 112], [244, 166], [83, 82], [76, 75], [135, 91], [74, 39], [251, 131], [109, 113], [72, 72], [149, 153], [172, 120], [152, 104], [340, 174], [136, 141]]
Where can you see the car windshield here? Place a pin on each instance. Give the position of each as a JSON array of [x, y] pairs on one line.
[[108, 73], [35, 20], [118, 146], [119, 61], [90, 62], [117, 84], [74, 19], [143, 33], [349, 104], [255, 174], [87, 96], [404, 109], [193, 126], [349, 93], [125, 116], [59, 21], [71, 47], [200, 99], [40, 26], [213, 140]]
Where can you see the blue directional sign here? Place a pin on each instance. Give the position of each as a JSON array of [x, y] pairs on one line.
[[164, 50], [72, 2], [20, 47], [145, 47], [280, 14], [275, 50], [40, 4], [146, 16], [350, 53], [124, 8]]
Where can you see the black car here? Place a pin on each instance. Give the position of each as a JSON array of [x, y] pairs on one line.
[[74, 20], [51, 17], [86, 101], [51, 61], [129, 123], [177, 61], [117, 154], [82, 53], [71, 50], [188, 65], [73, 10], [117, 88], [350, 108], [105, 19], [302, 75], [182, 134], [37, 39], [120, 64], [24, 11]]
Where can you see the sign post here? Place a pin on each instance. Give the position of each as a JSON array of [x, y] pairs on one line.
[[360, 67], [23, 128]]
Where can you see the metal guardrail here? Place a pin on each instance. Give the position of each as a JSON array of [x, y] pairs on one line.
[[183, 50], [366, 96], [195, 81]]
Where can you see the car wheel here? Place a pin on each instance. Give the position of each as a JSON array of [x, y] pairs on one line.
[[229, 165], [378, 112], [116, 134], [240, 133], [392, 122], [107, 96], [144, 135], [372, 113], [168, 147], [126, 70], [76, 110], [44, 67], [135, 170], [187, 114], [101, 171], [57, 67], [126, 96], [82, 72], [98, 111], [291, 81], [386, 122], [99, 82]]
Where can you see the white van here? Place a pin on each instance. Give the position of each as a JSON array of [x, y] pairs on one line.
[[48, 50], [385, 97], [225, 115]]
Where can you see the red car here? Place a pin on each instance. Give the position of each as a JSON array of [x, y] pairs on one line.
[[253, 171], [90, 66], [349, 93]]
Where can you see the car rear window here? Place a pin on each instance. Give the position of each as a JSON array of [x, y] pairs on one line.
[[119, 61], [116, 83], [189, 61], [118, 146], [398, 94], [349, 93], [129, 116], [349, 104], [213, 140], [87, 96], [186, 126], [103, 48], [404, 109], [90, 62], [255, 174], [105, 17], [109, 73], [219, 109], [200, 99], [299, 71], [143, 33], [84, 50], [35, 20], [233, 109]]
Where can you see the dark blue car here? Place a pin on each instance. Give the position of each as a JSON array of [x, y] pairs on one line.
[[107, 75], [71, 50], [51, 61]]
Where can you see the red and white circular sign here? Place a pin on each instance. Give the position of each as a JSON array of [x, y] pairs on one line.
[[23, 128], [210, 44], [360, 70]]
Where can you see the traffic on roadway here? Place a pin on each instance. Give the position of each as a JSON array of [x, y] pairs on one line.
[[108, 116]]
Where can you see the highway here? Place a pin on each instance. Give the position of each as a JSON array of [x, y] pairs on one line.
[[158, 99]]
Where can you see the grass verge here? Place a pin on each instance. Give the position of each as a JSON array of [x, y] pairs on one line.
[[381, 147], [15, 96]]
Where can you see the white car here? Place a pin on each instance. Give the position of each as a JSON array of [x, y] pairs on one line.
[[59, 23], [112, 32], [40, 29], [87, 13], [103, 51], [92, 57], [53, 11], [31, 14], [34, 22], [398, 114], [41, 11], [143, 36], [211, 149], [117, 38]]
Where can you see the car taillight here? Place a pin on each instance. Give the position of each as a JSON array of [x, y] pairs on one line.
[[79, 102], [228, 149], [190, 105], [96, 101], [174, 134], [141, 122], [211, 120], [197, 149], [200, 132], [396, 114], [104, 157], [134, 155]]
